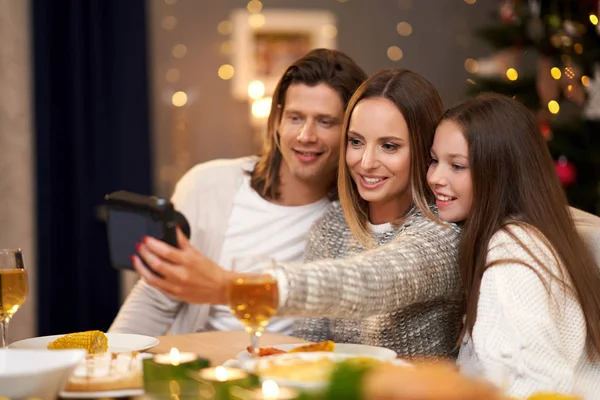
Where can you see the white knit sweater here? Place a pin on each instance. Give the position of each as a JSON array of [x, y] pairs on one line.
[[526, 339]]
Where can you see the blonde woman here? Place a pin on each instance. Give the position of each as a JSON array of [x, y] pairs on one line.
[[390, 123]]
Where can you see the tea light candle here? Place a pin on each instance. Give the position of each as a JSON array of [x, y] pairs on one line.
[[269, 391], [174, 366], [222, 378], [175, 358], [222, 374]]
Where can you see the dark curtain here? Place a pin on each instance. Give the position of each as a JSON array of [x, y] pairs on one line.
[[92, 137]]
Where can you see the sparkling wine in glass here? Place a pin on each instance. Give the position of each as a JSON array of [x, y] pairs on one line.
[[254, 297], [13, 288]]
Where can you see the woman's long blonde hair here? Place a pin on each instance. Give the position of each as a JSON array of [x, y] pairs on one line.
[[421, 106]]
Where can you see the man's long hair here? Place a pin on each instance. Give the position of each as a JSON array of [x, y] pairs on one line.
[[330, 67]]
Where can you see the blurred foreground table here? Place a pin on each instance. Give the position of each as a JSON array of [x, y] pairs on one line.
[[218, 347]]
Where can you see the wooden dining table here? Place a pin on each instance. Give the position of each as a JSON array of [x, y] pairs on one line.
[[218, 347]]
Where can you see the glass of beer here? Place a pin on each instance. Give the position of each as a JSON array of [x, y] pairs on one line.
[[13, 288], [254, 298]]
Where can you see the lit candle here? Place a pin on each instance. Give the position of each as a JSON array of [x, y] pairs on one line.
[[269, 391], [175, 357], [221, 379], [163, 369], [222, 374]]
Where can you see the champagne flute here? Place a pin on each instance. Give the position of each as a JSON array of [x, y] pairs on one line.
[[254, 298], [13, 288]]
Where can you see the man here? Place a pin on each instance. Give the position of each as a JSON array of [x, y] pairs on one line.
[[262, 205]]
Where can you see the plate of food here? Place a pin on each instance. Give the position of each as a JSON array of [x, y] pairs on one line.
[[93, 341], [328, 346], [108, 394], [107, 375], [112, 367], [310, 371]]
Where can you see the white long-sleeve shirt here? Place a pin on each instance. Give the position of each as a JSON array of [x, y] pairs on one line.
[[527, 339]]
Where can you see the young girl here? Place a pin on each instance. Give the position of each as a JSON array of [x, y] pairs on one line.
[[391, 120], [532, 287], [398, 283]]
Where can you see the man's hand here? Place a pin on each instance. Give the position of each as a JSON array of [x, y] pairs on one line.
[[187, 274]]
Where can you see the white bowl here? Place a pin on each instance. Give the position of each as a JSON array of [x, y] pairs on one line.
[[36, 373]]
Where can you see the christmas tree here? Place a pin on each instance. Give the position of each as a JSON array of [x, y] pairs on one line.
[[547, 56]]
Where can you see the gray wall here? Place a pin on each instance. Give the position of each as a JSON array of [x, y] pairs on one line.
[[218, 126]]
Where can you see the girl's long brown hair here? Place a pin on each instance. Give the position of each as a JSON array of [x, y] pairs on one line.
[[513, 176]]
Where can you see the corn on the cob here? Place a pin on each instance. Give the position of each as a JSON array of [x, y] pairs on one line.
[[93, 341]]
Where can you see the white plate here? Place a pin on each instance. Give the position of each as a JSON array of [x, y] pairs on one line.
[[117, 342], [251, 365], [80, 371], [345, 348], [96, 395]]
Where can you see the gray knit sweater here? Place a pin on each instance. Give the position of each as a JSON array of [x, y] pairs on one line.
[[404, 295]]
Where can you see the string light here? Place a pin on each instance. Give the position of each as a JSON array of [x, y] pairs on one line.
[[179, 51], [256, 89], [471, 65], [254, 6], [569, 72], [404, 29], [172, 75], [178, 158], [261, 107], [470, 1], [226, 72], [179, 99], [555, 72], [329, 31], [585, 80], [578, 48], [553, 106], [556, 41], [395, 53], [256, 20], [169, 22], [225, 27], [512, 74], [594, 19], [227, 47]]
